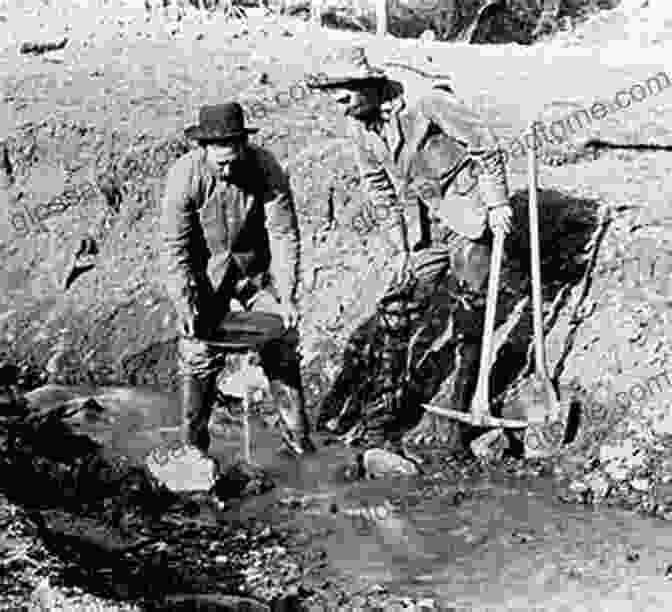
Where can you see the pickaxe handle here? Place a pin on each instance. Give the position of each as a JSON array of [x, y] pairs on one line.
[[480, 404]]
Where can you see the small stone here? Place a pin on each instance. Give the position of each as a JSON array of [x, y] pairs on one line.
[[426, 604], [600, 487], [378, 462], [640, 484], [183, 469]]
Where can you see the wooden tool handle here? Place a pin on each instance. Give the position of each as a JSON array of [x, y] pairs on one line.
[[535, 256], [480, 403]]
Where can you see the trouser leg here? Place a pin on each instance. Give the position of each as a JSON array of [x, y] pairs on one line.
[[281, 362], [451, 283], [198, 389], [470, 267]]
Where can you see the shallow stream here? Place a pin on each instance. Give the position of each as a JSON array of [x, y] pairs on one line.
[[491, 544]]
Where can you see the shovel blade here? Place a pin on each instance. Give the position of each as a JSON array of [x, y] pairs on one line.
[[545, 437], [547, 416]]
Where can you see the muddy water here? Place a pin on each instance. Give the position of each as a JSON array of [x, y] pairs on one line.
[[505, 545]]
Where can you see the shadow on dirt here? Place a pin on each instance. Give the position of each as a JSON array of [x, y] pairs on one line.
[[567, 225], [118, 534]]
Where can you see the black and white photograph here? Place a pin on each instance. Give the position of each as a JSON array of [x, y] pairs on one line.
[[335, 306]]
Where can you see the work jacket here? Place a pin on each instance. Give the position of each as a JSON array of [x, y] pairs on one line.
[[435, 152], [209, 225]]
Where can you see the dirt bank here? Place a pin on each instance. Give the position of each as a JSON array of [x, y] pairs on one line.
[[122, 89]]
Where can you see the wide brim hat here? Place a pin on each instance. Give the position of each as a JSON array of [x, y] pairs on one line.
[[350, 68], [219, 122]]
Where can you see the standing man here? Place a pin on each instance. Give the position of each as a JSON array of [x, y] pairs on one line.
[[230, 231], [420, 144]]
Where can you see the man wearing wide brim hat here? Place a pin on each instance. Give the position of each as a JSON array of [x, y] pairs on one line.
[[417, 144], [230, 231]]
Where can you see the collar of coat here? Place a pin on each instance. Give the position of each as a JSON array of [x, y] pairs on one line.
[[405, 129]]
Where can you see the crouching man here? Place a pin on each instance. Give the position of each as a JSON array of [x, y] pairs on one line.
[[417, 144], [230, 231]]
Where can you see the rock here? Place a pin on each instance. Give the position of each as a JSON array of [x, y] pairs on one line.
[[490, 446], [378, 463], [577, 486], [600, 487], [640, 484], [183, 469]]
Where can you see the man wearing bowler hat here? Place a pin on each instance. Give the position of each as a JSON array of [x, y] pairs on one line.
[[417, 144], [230, 231]]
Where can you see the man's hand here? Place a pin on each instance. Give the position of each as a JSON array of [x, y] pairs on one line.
[[188, 322], [192, 314], [500, 218], [193, 323], [289, 313]]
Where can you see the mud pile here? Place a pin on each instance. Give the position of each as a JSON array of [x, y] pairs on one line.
[[129, 537]]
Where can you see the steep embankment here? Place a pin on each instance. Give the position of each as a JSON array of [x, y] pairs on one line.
[[123, 91]]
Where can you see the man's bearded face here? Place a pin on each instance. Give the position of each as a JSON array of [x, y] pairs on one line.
[[225, 155], [361, 101]]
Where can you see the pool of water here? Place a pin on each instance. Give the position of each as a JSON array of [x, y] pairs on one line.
[[507, 545]]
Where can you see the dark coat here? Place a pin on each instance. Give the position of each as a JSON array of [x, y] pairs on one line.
[[207, 224]]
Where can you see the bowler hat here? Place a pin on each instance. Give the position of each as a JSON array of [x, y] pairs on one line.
[[352, 67], [219, 122]]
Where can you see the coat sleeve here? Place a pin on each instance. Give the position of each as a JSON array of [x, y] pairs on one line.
[[382, 194], [183, 278], [283, 228], [459, 122]]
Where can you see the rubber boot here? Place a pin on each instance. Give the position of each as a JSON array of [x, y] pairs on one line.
[[295, 424], [197, 404]]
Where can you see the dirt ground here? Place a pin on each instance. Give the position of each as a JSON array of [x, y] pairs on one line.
[[122, 90]]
